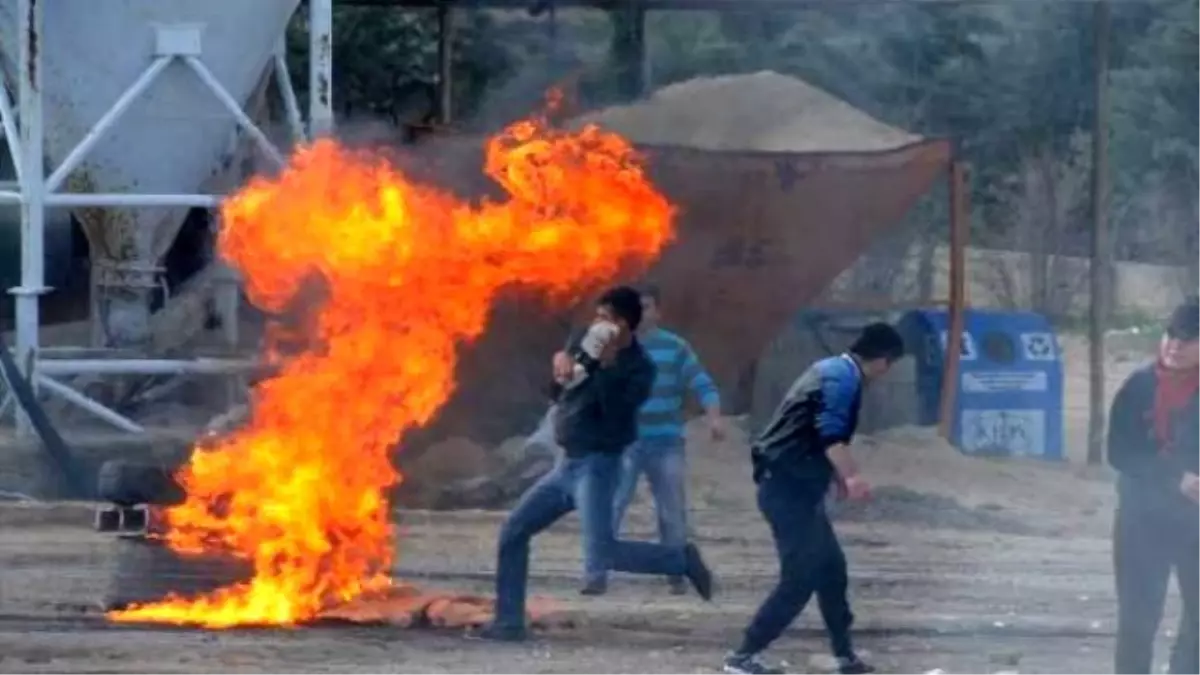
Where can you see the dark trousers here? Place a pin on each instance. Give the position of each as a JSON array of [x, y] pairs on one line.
[[810, 561], [1146, 547], [588, 484]]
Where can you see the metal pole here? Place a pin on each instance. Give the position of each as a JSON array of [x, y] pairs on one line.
[[959, 214], [445, 58], [1101, 258], [145, 366], [283, 78], [320, 68], [84, 403], [9, 119], [235, 109], [33, 176], [86, 199], [640, 68]]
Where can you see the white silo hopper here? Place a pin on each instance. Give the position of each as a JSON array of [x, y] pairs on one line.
[[177, 73]]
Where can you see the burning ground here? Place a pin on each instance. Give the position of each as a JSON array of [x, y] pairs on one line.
[[393, 277]]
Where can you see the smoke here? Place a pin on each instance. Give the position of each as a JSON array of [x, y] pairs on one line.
[[553, 50]]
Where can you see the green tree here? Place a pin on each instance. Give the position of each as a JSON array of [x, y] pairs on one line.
[[386, 60]]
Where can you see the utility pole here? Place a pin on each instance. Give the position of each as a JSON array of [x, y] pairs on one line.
[[1101, 244]]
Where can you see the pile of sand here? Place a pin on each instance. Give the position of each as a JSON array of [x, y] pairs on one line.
[[1052, 495], [761, 111], [921, 479]]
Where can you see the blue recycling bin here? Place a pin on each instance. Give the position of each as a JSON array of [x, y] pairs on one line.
[[1010, 384]]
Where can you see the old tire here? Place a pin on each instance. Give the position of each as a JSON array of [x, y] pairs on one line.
[[128, 483], [146, 571]]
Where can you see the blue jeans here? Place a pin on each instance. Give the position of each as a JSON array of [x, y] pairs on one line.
[[810, 561], [662, 461], [585, 483]]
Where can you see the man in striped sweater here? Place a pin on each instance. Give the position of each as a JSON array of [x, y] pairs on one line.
[[658, 450]]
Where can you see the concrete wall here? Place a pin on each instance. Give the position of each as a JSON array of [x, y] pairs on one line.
[[1003, 279]]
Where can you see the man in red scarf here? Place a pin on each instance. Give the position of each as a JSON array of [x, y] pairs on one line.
[[1154, 444]]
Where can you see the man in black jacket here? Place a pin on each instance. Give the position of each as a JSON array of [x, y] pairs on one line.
[[804, 449], [1153, 444], [594, 421]]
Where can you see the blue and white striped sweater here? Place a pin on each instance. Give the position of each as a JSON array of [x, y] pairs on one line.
[[679, 371]]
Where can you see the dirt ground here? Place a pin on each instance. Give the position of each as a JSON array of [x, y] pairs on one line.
[[959, 564]]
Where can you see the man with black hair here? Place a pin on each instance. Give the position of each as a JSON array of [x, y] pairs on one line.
[[1154, 444], [605, 376], [658, 451], [803, 450]]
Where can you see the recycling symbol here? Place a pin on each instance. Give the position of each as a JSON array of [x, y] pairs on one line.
[[1038, 346]]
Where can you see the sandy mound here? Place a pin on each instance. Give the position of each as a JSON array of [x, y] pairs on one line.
[[920, 479], [761, 111]]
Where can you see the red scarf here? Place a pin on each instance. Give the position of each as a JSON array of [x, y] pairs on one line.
[[1173, 392]]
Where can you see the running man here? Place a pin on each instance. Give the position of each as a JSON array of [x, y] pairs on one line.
[[594, 421], [658, 450], [803, 450]]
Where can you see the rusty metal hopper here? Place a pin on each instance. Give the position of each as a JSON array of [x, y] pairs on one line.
[[761, 233]]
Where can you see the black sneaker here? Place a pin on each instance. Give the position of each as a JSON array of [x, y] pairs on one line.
[[598, 587], [678, 585], [697, 572], [853, 666], [498, 633], [748, 664]]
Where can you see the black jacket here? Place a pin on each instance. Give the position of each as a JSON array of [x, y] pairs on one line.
[[601, 414], [819, 410], [1149, 478]]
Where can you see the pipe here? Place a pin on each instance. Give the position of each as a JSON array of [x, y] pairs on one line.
[[145, 366], [83, 402], [33, 212], [132, 200]]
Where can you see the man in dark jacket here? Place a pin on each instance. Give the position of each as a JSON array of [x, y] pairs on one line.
[[804, 450], [595, 419], [1153, 444]]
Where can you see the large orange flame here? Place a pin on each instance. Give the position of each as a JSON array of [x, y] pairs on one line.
[[407, 273]]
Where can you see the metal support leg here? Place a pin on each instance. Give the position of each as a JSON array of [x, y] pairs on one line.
[[29, 95], [235, 108], [8, 118], [83, 402], [320, 68], [291, 106], [106, 122]]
